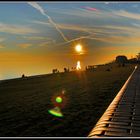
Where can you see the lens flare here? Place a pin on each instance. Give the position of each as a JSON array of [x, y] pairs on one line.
[[58, 99], [56, 112], [78, 66]]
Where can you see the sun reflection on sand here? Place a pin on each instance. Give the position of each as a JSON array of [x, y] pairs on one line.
[[78, 66]]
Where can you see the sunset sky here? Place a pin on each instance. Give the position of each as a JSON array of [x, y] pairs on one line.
[[37, 37]]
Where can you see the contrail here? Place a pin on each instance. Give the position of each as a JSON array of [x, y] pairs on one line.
[[82, 37], [41, 10]]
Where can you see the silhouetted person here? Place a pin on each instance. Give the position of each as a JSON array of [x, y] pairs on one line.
[[72, 68], [23, 76], [64, 69], [54, 71]]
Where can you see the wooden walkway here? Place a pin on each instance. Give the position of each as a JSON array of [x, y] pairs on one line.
[[122, 117]]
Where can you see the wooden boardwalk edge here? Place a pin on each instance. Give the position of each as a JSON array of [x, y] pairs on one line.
[[119, 119]]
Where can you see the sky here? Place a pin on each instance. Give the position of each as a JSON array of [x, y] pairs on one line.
[[36, 37]]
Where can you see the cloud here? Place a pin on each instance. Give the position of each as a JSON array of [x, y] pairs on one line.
[[119, 39], [129, 30], [135, 5], [42, 22], [75, 27], [126, 14], [78, 12], [94, 30], [47, 43], [107, 33], [2, 39], [24, 45], [44, 44], [34, 37], [107, 39], [106, 2], [16, 29], [2, 46], [102, 30], [136, 25]]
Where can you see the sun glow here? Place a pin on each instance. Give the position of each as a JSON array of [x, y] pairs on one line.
[[78, 48]]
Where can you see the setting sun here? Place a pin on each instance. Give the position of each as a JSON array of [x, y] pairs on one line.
[[78, 48]]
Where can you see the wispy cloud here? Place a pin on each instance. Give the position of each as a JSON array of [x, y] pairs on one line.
[[47, 43], [16, 29], [108, 39], [34, 37], [78, 12], [135, 5], [102, 29], [2, 39], [127, 30], [118, 39], [42, 22], [127, 14], [101, 14], [136, 25], [107, 34], [75, 28], [24, 45], [2, 46], [99, 30], [106, 2]]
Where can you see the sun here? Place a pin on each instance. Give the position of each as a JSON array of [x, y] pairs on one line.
[[78, 48]]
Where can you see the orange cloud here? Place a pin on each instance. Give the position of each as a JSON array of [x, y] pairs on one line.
[[119, 39], [2, 46], [24, 45]]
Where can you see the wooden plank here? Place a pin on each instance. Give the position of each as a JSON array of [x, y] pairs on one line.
[[122, 117]]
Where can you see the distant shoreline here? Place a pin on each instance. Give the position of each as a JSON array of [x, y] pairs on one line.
[[38, 75]]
